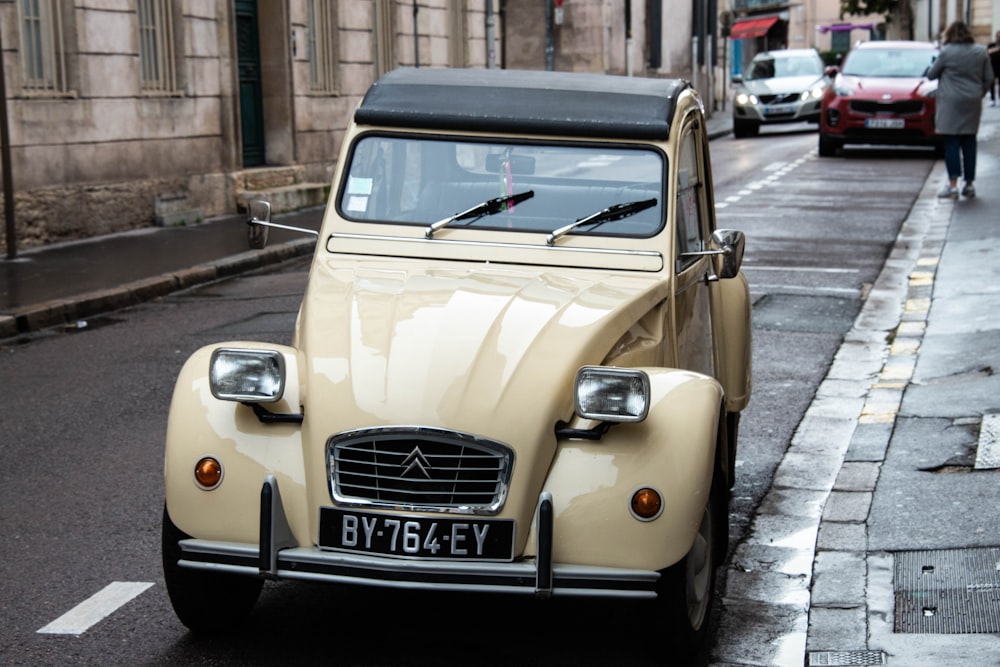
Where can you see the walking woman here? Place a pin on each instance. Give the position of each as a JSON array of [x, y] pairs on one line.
[[965, 75]]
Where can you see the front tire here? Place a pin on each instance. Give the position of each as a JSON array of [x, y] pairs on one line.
[[204, 601], [686, 590], [745, 128], [828, 146]]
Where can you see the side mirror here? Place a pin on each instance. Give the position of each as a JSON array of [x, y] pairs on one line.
[[258, 217], [726, 246], [737, 78]]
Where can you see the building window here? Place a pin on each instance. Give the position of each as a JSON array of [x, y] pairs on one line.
[[322, 46], [156, 47], [43, 53]]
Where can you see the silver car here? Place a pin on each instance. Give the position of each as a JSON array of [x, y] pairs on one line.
[[783, 86]]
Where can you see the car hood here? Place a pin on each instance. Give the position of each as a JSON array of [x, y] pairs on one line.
[[781, 85], [472, 348], [884, 88]]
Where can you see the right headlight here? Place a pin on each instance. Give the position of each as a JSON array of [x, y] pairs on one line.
[[247, 375], [612, 394], [744, 99]]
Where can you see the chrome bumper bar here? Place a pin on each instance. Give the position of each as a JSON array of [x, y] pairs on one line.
[[277, 557]]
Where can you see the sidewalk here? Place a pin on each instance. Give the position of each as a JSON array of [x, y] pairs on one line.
[[881, 531], [62, 283]]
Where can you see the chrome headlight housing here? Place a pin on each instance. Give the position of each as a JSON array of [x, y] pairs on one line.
[[611, 394], [247, 375]]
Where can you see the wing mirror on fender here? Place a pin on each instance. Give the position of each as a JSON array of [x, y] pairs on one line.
[[259, 222], [726, 249], [728, 245], [258, 217]]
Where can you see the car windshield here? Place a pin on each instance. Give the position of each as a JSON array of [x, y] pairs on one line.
[[421, 180], [908, 63], [779, 67]]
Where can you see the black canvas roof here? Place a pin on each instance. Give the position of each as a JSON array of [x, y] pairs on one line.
[[523, 101]]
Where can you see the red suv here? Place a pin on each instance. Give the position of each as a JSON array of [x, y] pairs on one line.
[[880, 95]]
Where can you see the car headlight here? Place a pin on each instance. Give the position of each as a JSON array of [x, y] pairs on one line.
[[612, 394], [814, 93], [745, 99], [841, 91], [246, 375]]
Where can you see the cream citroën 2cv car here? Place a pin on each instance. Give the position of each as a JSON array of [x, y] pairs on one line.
[[518, 365]]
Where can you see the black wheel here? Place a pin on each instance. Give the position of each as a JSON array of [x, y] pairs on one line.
[[204, 601], [745, 128], [686, 590], [827, 147]]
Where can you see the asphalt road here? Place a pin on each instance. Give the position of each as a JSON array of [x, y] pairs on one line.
[[85, 412]]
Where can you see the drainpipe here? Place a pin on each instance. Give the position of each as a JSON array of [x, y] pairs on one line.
[[550, 47], [8, 181], [491, 56], [416, 41]]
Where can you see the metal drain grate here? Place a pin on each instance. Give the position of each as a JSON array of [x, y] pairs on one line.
[[846, 658], [947, 591]]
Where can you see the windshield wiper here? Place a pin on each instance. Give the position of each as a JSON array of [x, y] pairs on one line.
[[488, 207], [611, 213]]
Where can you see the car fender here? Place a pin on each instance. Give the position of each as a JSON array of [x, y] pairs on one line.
[[673, 451], [201, 425], [731, 316]]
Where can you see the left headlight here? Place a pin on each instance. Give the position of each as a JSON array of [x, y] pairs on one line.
[[246, 375], [611, 394], [814, 93]]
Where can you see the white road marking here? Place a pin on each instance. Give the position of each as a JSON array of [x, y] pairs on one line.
[[802, 269], [988, 451], [92, 611]]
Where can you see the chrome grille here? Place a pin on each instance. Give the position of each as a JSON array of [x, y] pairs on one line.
[[782, 98], [421, 468]]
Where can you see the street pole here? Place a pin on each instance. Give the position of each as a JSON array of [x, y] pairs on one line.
[[416, 38], [628, 37], [8, 181], [491, 56], [550, 48]]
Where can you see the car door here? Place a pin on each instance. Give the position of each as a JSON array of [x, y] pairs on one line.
[[692, 306]]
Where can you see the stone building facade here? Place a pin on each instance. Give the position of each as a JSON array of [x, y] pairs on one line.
[[129, 113]]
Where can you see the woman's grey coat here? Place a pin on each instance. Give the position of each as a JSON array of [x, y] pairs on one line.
[[965, 76]]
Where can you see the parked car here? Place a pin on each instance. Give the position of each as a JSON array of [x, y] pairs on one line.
[[880, 95], [783, 86], [518, 366]]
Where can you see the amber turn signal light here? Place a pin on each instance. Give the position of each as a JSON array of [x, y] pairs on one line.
[[208, 473], [647, 503]]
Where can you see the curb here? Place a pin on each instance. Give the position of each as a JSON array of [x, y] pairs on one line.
[[60, 312]]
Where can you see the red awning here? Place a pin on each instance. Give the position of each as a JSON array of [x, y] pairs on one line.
[[752, 27]]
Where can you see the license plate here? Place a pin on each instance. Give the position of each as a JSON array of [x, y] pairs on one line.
[[464, 538], [778, 108], [885, 123]]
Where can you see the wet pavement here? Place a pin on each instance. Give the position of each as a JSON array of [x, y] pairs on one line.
[[879, 541]]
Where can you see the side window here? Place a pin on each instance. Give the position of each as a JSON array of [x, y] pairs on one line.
[[323, 47], [157, 52], [689, 201], [43, 59]]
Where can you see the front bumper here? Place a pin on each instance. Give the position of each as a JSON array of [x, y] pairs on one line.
[[796, 112], [275, 557]]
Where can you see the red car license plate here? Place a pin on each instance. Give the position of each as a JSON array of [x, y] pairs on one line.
[[885, 123], [466, 538]]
